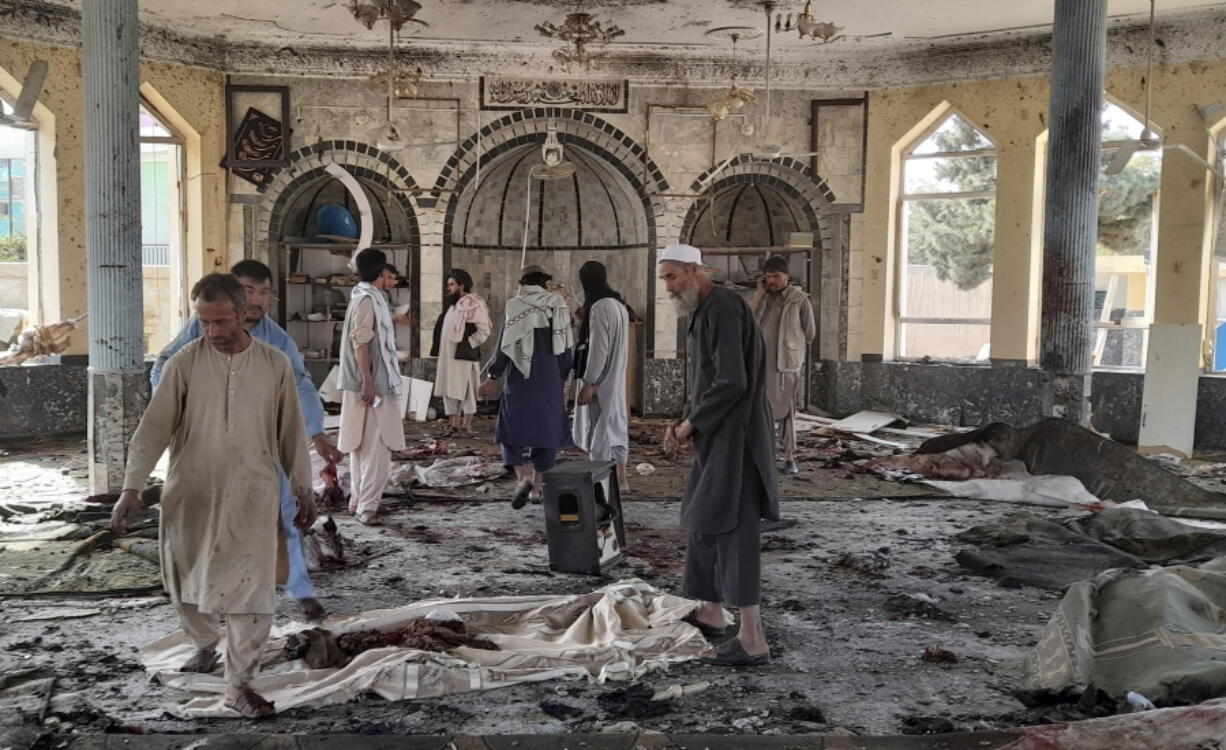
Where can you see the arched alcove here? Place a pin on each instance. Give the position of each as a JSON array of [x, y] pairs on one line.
[[595, 214]]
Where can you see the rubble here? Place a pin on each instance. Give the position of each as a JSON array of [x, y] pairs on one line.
[[916, 605]]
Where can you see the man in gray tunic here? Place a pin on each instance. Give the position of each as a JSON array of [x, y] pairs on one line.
[[732, 484]]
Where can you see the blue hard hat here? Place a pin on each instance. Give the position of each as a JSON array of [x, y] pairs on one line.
[[335, 220]]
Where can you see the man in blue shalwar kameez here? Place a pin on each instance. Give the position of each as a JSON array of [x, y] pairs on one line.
[[534, 353], [256, 279]]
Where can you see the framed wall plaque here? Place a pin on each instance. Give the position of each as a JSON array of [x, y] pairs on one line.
[[512, 92], [256, 140]]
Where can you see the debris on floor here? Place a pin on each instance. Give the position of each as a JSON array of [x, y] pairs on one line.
[[1108, 470], [1032, 551], [457, 472]]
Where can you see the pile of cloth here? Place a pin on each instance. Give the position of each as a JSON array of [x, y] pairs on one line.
[[619, 632]]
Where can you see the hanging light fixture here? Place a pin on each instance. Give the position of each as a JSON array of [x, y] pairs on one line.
[[808, 26], [387, 136], [734, 97], [396, 12], [582, 31]]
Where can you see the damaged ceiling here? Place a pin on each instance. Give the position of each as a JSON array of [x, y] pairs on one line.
[[652, 23], [883, 43]]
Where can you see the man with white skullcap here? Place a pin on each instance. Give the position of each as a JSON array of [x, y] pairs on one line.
[[732, 483]]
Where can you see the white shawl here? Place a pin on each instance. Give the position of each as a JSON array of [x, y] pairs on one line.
[[387, 334], [532, 308]]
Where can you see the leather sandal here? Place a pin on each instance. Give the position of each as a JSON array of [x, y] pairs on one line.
[[311, 609], [368, 519], [730, 653], [522, 493], [708, 631], [202, 662], [251, 705]]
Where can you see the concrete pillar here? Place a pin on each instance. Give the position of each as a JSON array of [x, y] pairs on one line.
[[1079, 42], [110, 64]]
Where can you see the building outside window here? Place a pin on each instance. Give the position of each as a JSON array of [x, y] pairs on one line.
[[947, 228], [16, 232], [1217, 288], [1126, 247], [161, 175]]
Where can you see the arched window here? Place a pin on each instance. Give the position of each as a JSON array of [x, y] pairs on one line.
[[1127, 244], [947, 229], [161, 204]]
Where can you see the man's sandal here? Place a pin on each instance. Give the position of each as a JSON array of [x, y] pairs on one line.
[[251, 705], [708, 631], [311, 609], [202, 662], [368, 519], [730, 653], [522, 493]]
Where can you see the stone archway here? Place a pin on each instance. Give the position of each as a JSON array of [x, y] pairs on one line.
[[754, 204], [615, 184], [287, 211]]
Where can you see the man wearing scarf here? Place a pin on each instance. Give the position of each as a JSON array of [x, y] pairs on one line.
[[372, 424], [601, 427], [534, 354], [458, 335], [733, 483]]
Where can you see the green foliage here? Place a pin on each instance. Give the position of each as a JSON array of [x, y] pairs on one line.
[[955, 235], [1126, 205], [13, 249]]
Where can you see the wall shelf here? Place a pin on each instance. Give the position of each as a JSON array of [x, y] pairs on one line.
[[304, 298]]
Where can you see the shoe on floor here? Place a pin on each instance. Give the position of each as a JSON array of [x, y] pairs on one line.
[[311, 609], [368, 519], [730, 653], [790, 467], [708, 631], [780, 524], [522, 492]]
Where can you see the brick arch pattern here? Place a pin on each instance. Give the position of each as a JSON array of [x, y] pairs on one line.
[[594, 136], [366, 163], [527, 125], [789, 176]]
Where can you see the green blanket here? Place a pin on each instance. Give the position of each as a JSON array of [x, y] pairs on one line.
[[1159, 632]]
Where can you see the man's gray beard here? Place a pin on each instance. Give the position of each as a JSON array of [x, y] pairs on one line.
[[685, 302]]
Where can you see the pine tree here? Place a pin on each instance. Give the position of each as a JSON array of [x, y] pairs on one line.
[[956, 236]]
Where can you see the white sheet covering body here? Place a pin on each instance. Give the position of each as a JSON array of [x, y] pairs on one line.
[[618, 632]]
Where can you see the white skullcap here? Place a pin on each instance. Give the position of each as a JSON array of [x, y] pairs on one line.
[[682, 254]]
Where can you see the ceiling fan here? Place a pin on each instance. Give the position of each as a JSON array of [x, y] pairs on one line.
[[1149, 140], [22, 116]]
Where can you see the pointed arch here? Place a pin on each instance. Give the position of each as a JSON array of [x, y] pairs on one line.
[[943, 237]]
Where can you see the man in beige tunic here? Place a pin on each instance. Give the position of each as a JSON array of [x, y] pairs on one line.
[[228, 409], [372, 420], [785, 316]]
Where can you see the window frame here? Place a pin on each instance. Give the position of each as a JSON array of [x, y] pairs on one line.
[[901, 319], [1143, 323], [177, 265]]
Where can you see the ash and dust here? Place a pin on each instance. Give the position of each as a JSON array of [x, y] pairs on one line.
[[850, 653]]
